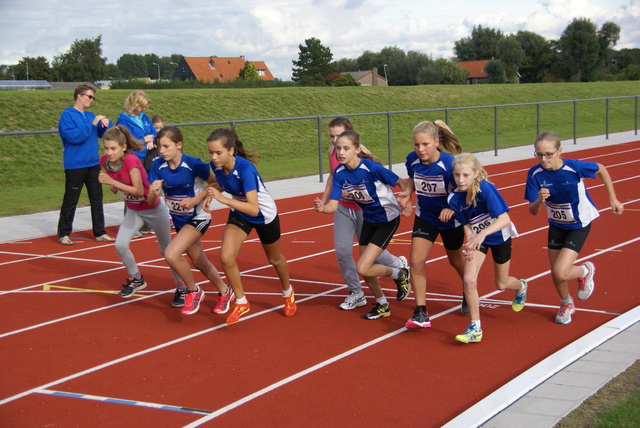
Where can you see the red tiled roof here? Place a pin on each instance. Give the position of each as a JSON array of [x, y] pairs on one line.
[[208, 69], [476, 68]]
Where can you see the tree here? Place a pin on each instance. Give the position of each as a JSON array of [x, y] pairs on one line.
[[82, 62], [537, 57], [132, 66], [580, 49], [344, 80], [495, 70], [249, 72], [608, 36], [313, 64], [38, 69], [452, 73], [481, 45], [346, 64], [511, 54]]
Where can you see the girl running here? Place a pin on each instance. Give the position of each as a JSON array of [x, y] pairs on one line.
[[558, 184], [252, 207], [483, 212], [430, 172], [181, 178], [347, 223], [369, 184], [125, 174]]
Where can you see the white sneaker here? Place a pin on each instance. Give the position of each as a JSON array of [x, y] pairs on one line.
[[353, 300], [585, 283], [405, 263]]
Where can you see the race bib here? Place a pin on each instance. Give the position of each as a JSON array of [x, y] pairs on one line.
[[481, 222], [429, 186], [560, 213], [173, 203], [132, 199], [359, 193]]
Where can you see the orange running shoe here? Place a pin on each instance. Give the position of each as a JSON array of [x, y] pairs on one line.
[[290, 304], [238, 310]]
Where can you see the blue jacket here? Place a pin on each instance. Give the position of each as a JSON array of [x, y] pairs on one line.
[[138, 130], [79, 138]]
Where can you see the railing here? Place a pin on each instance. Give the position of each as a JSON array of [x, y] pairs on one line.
[[390, 114]]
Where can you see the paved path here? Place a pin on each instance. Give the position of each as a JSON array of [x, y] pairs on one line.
[[542, 395]]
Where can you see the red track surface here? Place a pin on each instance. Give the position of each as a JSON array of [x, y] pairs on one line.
[[323, 367]]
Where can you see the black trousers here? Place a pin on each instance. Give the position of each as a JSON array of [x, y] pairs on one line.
[[74, 180]]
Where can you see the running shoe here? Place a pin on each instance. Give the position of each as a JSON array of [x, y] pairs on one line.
[[420, 319], [353, 300], [472, 335], [402, 282], [585, 283], [290, 306], [378, 311], [132, 286], [565, 312], [192, 301], [463, 306], [405, 263], [521, 298], [178, 298], [105, 238], [224, 300], [238, 310]]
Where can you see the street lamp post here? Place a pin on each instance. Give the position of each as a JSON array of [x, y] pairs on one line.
[[158, 70], [385, 74]]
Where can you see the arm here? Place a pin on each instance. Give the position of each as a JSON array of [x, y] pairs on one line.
[[616, 206], [154, 192], [534, 207], [328, 208], [404, 197], [136, 188]]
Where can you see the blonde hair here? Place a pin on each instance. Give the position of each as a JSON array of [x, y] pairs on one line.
[[136, 101], [469, 160], [439, 130], [548, 136]]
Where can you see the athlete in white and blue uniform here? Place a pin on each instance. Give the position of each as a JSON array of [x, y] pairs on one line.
[[485, 215], [430, 170], [558, 184], [369, 185], [182, 179], [252, 207]]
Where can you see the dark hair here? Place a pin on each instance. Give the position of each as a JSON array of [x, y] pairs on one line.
[[438, 129], [170, 132], [230, 140], [82, 89], [354, 137], [341, 121], [123, 137], [157, 118]]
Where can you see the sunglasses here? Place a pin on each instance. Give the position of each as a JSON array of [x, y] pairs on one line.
[[91, 97]]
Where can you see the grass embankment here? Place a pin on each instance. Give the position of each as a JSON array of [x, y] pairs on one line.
[[32, 177]]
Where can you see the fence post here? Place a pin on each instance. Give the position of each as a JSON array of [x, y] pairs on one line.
[[446, 116], [320, 174], [636, 118], [537, 119], [495, 130], [389, 151], [575, 120], [606, 121]]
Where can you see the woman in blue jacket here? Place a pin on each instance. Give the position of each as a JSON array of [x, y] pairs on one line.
[[138, 123]]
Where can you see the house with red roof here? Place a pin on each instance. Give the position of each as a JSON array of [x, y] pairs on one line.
[[477, 71], [213, 68]]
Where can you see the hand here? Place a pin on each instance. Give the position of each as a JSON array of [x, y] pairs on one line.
[[543, 194], [156, 187], [404, 199], [617, 207], [467, 254], [187, 203], [113, 189], [318, 205], [407, 211], [446, 215], [104, 178]]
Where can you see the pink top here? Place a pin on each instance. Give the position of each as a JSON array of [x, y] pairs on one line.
[[129, 162], [333, 162]]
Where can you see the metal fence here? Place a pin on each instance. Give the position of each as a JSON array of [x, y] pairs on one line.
[[390, 114]]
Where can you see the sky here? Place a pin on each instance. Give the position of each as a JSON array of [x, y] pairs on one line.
[[272, 31]]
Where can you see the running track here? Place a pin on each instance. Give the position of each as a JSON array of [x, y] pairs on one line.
[[79, 358]]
